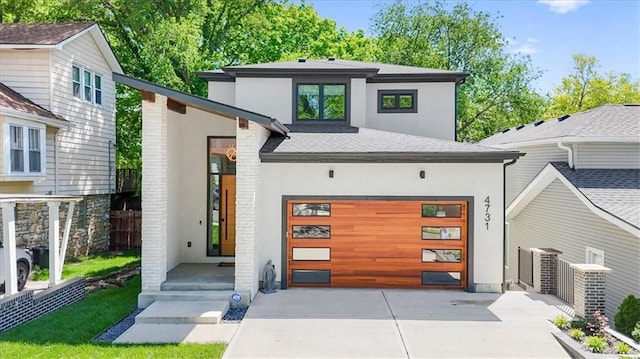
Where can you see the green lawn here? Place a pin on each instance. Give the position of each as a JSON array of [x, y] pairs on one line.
[[69, 332], [92, 266]]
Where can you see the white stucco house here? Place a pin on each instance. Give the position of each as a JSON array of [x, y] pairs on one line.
[[577, 190], [57, 120], [343, 173]]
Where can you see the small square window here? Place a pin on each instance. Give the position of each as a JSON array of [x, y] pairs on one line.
[[397, 101]]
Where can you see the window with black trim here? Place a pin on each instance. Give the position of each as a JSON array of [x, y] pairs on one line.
[[321, 102], [397, 101]]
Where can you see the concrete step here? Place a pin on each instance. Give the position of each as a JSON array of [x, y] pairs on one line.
[[184, 312], [178, 333], [196, 286], [147, 297]]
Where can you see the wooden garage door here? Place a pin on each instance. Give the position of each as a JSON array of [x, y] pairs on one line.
[[377, 243]]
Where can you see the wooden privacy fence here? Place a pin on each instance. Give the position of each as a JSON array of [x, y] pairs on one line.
[[564, 290], [126, 230], [126, 180], [525, 266]]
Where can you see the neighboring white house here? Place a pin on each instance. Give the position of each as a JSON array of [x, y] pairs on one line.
[[577, 190], [57, 119], [343, 173]]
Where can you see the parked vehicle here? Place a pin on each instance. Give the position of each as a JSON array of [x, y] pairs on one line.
[[25, 264]]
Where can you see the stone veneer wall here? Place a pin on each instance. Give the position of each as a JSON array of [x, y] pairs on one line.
[[89, 234], [25, 306]]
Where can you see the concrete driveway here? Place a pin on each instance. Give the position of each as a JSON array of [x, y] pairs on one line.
[[354, 323]]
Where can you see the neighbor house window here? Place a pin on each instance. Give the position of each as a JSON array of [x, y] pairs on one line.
[[594, 256], [391, 101], [25, 150], [87, 85], [321, 102]]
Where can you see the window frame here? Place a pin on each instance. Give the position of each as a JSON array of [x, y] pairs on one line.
[[397, 93], [588, 251], [26, 126], [321, 82], [92, 89]]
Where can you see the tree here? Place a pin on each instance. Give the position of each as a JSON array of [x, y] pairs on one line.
[[585, 88], [497, 95]]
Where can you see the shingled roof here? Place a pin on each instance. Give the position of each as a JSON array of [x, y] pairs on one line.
[[333, 143], [602, 123], [40, 34], [13, 101], [616, 191]]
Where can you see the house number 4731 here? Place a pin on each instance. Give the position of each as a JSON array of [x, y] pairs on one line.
[[487, 215]]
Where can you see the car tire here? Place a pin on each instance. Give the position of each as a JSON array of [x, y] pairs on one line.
[[23, 275]]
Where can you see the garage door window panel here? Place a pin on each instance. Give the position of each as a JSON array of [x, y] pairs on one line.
[[311, 209], [441, 278], [441, 233], [441, 210], [311, 232], [432, 255]]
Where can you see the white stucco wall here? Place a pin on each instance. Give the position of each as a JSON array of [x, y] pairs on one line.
[[268, 96], [224, 92], [476, 180], [188, 177], [436, 110], [359, 102]]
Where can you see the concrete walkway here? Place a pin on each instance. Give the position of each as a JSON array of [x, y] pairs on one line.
[[352, 323]]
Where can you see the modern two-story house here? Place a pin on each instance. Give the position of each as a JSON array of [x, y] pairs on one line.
[[577, 191], [342, 173], [57, 120]]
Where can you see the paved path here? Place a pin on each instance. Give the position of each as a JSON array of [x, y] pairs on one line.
[[353, 323]]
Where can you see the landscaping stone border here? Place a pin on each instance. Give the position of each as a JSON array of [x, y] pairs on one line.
[[26, 306], [577, 351]]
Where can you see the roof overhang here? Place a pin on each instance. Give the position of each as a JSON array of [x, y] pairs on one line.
[[567, 139], [457, 77], [388, 157], [52, 122], [544, 179], [201, 103], [288, 72]]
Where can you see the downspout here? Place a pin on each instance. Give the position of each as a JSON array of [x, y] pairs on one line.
[[504, 221], [569, 154], [111, 144]]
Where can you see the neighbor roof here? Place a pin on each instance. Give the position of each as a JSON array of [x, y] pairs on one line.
[[40, 34], [616, 191], [613, 122], [372, 71], [333, 143], [14, 104], [201, 103]]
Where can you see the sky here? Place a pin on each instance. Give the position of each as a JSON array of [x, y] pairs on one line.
[[549, 31]]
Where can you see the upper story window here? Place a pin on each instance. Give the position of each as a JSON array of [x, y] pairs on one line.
[[25, 150], [87, 85], [397, 101], [321, 102]]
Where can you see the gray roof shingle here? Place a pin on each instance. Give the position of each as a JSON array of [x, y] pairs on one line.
[[616, 191], [612, 120], [351, 142], [12, 100], [40, 34]]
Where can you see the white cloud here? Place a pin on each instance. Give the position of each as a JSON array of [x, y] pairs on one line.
[[563, 6], [526, 48]]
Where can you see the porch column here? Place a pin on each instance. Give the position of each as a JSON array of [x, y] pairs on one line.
[[589, 289], [248, 143], [9, 242], [54, 243], [154, 191], [545, 270]]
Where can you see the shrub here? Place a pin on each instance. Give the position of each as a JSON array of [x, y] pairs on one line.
[[628, 315], [596, 344], [636, 332], [622, 348], [562, 322], [579, 324], [598, 326], [576, 334]]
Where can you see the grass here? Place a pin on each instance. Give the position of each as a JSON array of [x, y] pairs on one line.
[[92, 266], [69, 332]]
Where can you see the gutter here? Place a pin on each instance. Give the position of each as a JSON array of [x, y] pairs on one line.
[[505, 254], [569, 154]]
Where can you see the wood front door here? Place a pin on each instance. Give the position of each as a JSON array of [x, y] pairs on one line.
[[377, 243], [228, 215]]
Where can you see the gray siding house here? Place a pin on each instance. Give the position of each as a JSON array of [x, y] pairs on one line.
[[577, 190]]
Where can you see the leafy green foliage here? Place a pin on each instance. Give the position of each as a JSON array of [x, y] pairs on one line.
[[562, 322], [576, 334], [497, 95], [585, 88], [628, 315], [596, 344], [622, 348], [636, 332], [579, 324], [598, 326]]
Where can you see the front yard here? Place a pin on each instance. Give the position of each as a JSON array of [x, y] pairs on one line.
[[70, 331]]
